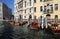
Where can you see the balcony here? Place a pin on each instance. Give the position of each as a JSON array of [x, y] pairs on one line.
[[19, 1], [48, 9]]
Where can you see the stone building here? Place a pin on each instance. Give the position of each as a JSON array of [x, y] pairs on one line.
[[5, 12]]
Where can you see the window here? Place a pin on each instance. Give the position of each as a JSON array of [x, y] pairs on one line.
[[34, 9], [56, 17], [44, 8], [48, 8], [30, 9], [24, 16], [20, 16], [56, 6], [17, 7], [41, 8], [47, 4], [34, 1], [25, 11], [40, 0], [30, 2], [25, 3], [20, 5], [51, 8], [30, 16]]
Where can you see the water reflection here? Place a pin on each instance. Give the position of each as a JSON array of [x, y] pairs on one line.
[[23, 32]]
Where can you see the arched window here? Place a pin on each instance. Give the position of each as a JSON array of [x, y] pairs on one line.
[[30, 17]]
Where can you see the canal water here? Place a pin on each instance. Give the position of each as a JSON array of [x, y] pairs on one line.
[[8, 31]]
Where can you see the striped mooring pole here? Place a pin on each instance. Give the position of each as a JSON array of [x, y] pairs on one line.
[[42, 20]]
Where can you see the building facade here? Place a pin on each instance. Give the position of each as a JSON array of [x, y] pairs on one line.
[[34, 8], [49, 7], [23, 9], [5, 11]]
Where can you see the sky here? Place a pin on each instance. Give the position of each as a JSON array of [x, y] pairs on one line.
[[9, 3]]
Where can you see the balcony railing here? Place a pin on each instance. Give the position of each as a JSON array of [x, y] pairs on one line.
[[19, 1], [48, 9]]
